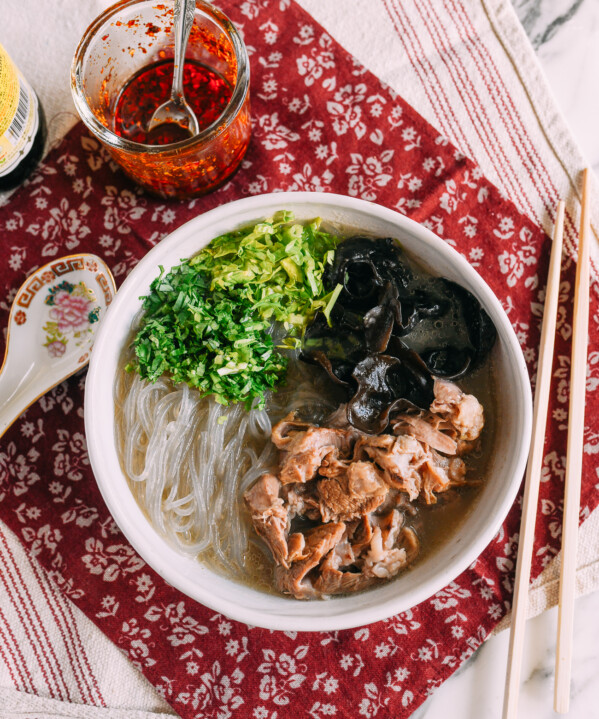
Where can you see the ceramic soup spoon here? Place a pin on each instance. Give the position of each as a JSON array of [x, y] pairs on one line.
[[51, 329]]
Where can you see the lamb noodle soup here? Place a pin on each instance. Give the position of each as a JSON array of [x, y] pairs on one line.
[[306, 412]]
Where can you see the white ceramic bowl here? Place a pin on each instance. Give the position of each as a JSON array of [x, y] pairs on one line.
[[238, 601]]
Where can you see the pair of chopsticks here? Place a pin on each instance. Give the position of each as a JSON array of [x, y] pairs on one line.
[[573, 467]]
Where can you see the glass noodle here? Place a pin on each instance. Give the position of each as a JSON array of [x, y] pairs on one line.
[[189, 459]]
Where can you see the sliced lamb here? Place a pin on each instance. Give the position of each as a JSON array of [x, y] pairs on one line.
[[291, 434], [381, 551], [269, 515], [464, 411], [342, 554], [359, 490], [332, 581], [365, 480], [287, 429], [377, 441], [425, 429], [456, 470], [360, 535], [302, 466], [297, 545], [301, 499], [400, 458], [410, 543], [396, 499], [332, 466], [318, 542], [389, 524], [305, 446], [384, 562], [389, 564], [440, 473], [434, 479]]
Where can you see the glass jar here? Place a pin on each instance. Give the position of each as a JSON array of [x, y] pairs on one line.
[[128, 38]]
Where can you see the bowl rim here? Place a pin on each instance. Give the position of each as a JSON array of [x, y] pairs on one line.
[[287, 622]]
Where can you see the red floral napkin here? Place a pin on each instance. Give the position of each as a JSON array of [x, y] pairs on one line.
[[321, 122]]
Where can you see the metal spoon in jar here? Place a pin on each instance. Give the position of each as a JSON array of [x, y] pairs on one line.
[[176, 110], [51, 328]]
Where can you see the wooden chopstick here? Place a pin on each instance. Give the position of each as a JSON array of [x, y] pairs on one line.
[[533, 473], [567, 582]]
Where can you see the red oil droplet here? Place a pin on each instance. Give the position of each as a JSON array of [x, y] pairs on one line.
[[207, 92]]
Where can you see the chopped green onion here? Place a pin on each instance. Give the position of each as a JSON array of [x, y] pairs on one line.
[[207, 320]]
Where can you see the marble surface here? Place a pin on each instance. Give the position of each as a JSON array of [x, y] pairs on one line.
[[476, 690], [565, 35]]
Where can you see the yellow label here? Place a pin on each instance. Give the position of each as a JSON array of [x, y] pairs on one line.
[[18, 115], [9, 90]]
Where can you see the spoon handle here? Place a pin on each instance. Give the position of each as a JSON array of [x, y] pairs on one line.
[[184, 15], [19, 387]]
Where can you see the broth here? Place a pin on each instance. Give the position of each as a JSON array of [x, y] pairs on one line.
[[309, 391], [439, 523]]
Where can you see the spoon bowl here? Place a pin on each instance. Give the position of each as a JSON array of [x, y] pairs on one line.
[[51, 329], [176, 111]]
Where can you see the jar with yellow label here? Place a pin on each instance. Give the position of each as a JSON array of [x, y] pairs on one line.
[[22, 126]]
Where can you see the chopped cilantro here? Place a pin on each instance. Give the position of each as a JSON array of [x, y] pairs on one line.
[[207, 322]]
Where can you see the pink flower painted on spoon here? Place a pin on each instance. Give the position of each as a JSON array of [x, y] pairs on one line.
[[56, 349], [70, 311]]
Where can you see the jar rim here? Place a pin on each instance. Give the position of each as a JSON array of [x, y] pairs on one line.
[[110, 138]]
